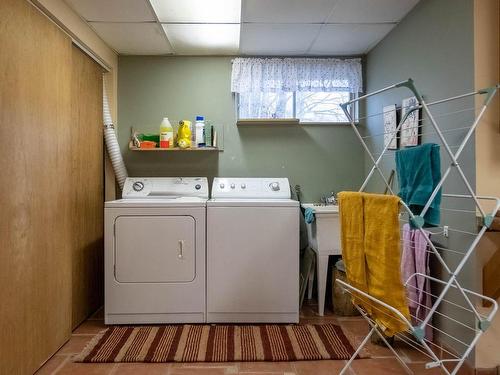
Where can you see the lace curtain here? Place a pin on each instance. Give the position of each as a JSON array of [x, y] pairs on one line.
[[296, 74]]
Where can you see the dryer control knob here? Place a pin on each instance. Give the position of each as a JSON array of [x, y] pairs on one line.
[[197, 186], [138, 186], [243, 186], [221, 186], [233, 186], [274, 186]]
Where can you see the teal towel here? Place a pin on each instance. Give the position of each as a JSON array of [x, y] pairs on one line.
[[419, 171], [309, 215]]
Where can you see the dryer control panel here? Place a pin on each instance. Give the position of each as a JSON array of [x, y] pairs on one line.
[[251, 188], [165, 187]]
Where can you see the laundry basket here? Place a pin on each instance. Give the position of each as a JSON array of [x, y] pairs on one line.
[[341, 299]]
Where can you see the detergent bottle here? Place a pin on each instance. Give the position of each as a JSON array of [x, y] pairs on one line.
[[166, 134], [184, 134], [200, 131]]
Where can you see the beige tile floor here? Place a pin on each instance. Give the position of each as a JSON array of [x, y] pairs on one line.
[[381, 362]]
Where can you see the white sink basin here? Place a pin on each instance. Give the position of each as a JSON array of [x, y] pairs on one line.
[[324, 239], [321, 208], [324, 232]]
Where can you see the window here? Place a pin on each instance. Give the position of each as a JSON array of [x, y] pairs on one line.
[[265, 105], [306, 106], [321, 106], [307, 89]]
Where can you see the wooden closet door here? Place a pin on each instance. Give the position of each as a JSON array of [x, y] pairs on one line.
[[88, 185], [36, 196]]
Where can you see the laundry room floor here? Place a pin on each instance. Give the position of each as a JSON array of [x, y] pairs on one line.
[[382, 361]]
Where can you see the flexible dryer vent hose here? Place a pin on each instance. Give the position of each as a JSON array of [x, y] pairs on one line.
[[112, 142]]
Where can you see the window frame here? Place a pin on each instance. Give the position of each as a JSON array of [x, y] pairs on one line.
[[354, 112]]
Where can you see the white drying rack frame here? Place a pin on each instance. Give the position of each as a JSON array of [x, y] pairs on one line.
[[415, 336]]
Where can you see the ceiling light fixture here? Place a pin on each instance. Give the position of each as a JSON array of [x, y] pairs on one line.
[[204, 39], [200, 27], [197, 11]]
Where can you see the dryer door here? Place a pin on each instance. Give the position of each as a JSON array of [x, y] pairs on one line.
[[154, 249]]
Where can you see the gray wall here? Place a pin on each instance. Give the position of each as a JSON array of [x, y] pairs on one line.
[[319, 158], [434, 46]]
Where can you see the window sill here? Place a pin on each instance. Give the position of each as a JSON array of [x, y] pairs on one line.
[[286, 122], [267, 121], [311, 123]]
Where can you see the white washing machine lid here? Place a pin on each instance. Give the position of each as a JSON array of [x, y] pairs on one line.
[[252, 203], [163, 202]]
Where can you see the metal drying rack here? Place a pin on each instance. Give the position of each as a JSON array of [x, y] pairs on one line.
[[458, 330]]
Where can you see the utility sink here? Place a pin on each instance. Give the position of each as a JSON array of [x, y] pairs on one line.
[[324, 232], [324, 239]]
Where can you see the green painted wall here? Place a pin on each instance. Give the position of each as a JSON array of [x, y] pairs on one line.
[[434, 46], [319, 158]]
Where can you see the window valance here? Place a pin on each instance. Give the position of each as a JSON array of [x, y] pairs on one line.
[[296, 74]]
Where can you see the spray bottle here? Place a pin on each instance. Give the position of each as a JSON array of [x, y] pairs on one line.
[[184, 134]]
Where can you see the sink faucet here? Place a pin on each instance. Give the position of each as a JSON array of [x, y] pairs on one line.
[[329, 199]]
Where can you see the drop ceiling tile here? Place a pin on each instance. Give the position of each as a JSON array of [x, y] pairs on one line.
[[134, 38], [209, 11], [370, 11], [203, 39], [277, 39], [350, 39], [286, 11], [113, 10]]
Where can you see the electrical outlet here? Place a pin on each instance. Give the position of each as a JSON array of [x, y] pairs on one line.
[[445, 231]]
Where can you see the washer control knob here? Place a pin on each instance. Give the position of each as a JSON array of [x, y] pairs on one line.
[[221, 186], [275, 186], [138, 185], [197, 186], [233, 186], [243, 186]]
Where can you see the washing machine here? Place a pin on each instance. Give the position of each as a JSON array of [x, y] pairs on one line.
[[252, 252], [155, 243]]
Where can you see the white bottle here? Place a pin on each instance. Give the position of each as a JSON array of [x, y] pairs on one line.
[[166, 134], [200, 132]]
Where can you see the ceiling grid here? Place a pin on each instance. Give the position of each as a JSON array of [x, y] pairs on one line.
[[242, 27]]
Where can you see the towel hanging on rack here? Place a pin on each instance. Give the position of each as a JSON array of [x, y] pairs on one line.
[[415, 260], [371, 253], [419, 172]]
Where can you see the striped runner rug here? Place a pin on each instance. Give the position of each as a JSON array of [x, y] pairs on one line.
[[217, 343]]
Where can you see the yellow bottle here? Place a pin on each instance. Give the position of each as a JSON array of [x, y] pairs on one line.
[[184, 134], [166, 134]]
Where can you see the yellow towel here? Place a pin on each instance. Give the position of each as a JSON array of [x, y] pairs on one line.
[[371, 253]]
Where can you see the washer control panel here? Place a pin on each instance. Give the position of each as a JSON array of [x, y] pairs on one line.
[[251, 188], [165, 187]]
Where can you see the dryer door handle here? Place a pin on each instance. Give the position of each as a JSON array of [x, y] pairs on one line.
[[180, 254]]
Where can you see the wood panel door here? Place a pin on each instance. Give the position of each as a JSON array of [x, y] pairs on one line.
[[51, 191], [36, 201], [88, 186]]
